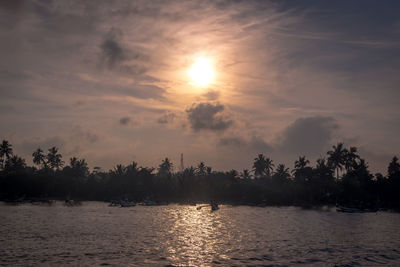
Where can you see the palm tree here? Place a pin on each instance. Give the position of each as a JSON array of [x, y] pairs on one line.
[[54, 158], [281, 173], [245, 174], [15, 163], [321, 163], [301, 172], [300, 164], [165, 168], [262, 166], [350, 158], [201, 169], [259, 165], [119, 170], [269, 166], [39, 158], [394, 168], [209, 170], [323, 169], [79, 167], [132, 168], [5, 150], [337, 157]]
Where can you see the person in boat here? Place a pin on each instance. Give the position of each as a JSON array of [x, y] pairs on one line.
[[214, 205]]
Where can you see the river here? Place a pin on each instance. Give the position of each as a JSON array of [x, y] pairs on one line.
[[175, 235]]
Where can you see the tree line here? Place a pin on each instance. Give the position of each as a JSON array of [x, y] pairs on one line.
[[341, 177]]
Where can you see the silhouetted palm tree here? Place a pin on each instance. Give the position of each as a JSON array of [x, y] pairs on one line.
[[269, 166], [393, 168], [245, 174], [323, 169], [351, 158], [14, 163], [39, 158], [201, 169], [300, 164], [281, 173], [209, 170], [165, 168], [259, 165], [79, 167], [232, 173], [337, 158], [118, 170], [262, 166], [54, 158], [132, 169], [5, 151]]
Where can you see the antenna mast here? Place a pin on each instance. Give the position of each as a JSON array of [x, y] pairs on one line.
[[182, 167]]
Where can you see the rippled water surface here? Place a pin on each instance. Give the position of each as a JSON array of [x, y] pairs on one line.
[[95, 234]]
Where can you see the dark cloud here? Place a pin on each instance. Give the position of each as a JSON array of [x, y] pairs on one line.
[[112, 53], [167, 117], [208, 116], [124, 120], [308, 136], [115, 56]]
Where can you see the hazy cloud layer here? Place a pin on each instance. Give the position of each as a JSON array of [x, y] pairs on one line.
[[290, 72]]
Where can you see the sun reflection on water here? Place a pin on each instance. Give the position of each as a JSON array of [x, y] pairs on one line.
[[196, 235]]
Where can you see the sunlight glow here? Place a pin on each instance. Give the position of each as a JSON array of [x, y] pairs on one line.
[[201, 72]]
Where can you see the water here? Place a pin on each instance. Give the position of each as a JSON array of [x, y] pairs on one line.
[[95, 234]]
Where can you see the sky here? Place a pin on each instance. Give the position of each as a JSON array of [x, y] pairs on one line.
[[109, 81]]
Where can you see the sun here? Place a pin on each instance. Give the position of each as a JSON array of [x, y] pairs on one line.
[[201, 72]]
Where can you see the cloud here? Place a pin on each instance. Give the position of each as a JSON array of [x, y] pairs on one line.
[[28, 146], [167, 117], [212, 95], [112, 53], [231, 141], [6, 108], [208, 116], [115, 56], [308, 136], [255, 143], [12, 6], [124, 120], [86, 135]]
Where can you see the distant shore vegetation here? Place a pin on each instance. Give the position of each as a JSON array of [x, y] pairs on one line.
[[341, 177]]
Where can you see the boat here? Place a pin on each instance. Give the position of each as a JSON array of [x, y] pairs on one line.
[[72, 203], [340, 208], [214, 207], [127, 204]]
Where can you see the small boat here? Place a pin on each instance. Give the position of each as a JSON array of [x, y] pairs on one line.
[[72, 203], [127, 204], [114, 203], [214, 207], [340, 208]]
